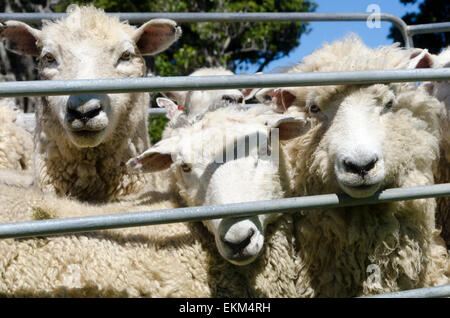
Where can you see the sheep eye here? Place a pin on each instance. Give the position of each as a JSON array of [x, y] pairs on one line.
[[389, 104], [228, 99], [185, 167], [126, 56], [49, 58], [314, 109]]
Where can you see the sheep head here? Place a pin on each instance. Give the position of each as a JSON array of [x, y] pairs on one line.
[[88, 44], [196, 103], [229, 160], [365, 138]]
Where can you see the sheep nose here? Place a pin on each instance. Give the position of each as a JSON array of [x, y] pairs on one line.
[[84, 107], [361, 168], [238, 244]]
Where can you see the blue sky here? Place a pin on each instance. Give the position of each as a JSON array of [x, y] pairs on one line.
[[329, 31]]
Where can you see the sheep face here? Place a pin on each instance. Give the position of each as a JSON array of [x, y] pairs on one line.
[[193, 102], [362, 133], [215, 99], [354, 137], [89, 119], [235, 162], [89, 45]]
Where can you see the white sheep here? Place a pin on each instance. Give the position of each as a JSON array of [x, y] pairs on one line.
[[224, 158], [196, 103], [83, 141], [177, 260], [365, 138], [16, 144], [440, 90]]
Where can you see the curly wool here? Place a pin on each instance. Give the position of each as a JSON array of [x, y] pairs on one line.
[[337, 247], [441, 90], [170, 260], [16, 144]]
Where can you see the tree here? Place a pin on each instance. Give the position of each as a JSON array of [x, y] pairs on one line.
[[431, 11]]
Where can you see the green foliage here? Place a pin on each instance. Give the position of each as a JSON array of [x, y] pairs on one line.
[[232, 45], [156, 125], [431, 11]]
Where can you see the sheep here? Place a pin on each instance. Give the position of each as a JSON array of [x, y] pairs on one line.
[[194, 152], [16, 144], [440, 90], [83, 141], [365, 138], [176, 260], [196, 103], [332, 248]]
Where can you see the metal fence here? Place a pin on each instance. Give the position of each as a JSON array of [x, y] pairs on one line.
[[407, 31], [131, 219]]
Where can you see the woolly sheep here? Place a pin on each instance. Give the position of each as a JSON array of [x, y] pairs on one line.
[[332, 250], [16, 144], [83, 141], [176, 260], [364, 139], [196, 103], [441, 90], [225, 158]]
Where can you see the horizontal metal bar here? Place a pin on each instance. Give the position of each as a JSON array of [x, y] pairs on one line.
[[133, 17], [429, 292], [131, 219], [195, 17], [428, 28], [156, 111], [177, 83]]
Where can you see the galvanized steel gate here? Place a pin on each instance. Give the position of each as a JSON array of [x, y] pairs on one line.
[[91, 223]]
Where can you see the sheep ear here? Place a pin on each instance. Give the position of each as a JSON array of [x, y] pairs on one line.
[[156, 158], [21, 38], [249, 93], [289, 127], [177, 96], [279, 98], [421, 59], [156, 35], [171, 108]]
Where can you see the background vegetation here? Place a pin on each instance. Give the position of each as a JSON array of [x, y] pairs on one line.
[[431, 11]]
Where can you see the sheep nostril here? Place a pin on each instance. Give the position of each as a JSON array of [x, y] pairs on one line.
[[370, 165], [83, 112], [84, 117], [238, 246], [358, 168]]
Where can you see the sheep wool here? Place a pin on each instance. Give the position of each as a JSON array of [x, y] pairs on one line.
[[372, 249], [170, 260], [16, 144]]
